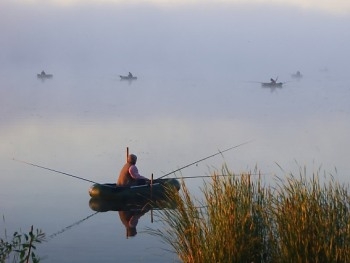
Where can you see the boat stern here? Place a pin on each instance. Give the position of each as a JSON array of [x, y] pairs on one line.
[[95, 190]]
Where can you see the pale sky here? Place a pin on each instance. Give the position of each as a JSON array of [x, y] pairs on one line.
[[331, 6]]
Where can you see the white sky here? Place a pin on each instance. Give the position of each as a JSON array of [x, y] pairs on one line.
[[331, 6]]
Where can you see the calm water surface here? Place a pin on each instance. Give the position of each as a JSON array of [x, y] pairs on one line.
[[82, 123]]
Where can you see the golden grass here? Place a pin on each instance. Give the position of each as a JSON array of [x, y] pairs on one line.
[[241, 220]]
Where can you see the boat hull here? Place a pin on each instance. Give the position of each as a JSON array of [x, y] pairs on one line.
[[272, 85], [127, 78], [158, 190], [44, 76]]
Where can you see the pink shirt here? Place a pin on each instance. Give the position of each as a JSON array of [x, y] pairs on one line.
[[134, 172]]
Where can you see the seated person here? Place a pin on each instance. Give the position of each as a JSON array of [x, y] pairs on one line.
[[129, 174]]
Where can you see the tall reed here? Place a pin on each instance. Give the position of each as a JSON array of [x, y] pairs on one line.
[[238, 219], [311, 221]]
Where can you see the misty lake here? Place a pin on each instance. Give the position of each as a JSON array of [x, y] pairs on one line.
[[82, 126], [191, 100]]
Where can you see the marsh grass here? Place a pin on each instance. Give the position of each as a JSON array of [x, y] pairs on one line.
[[311, 221], [241, 220]]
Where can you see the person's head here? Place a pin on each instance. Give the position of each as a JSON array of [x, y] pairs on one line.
[[132, 158]]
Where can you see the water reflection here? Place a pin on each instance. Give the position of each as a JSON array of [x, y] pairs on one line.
[[53, 125], [272, 88], [130, 212], [130, 220]]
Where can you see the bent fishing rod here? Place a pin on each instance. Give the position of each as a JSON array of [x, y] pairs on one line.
[[56, 171], [205, 158]]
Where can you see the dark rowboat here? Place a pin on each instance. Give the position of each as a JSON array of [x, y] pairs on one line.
[[43, 75], [127, 77], [272, 84], [127, 194]]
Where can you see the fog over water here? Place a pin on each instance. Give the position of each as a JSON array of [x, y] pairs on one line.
[[199, 68], [228, 39]]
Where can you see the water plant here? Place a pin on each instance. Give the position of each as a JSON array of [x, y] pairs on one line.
[[21, 246], [239, 219]]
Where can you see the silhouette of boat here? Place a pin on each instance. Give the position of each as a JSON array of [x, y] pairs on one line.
[[127, 78], [272, 84], [297, 75], [158, 190], [43, 75]]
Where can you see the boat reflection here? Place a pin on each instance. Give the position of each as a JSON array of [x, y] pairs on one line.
[[271, 87], [100, 205], [130, 213]]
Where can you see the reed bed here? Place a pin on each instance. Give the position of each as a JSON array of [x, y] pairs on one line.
[[239, 219]]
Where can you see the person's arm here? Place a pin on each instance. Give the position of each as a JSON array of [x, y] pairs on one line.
[[134, 172]]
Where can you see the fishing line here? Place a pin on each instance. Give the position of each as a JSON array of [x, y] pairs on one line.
[[205, 158], [70, 226], [56, 171]]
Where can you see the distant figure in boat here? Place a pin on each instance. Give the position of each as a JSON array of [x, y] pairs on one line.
[[129, 77], [43, 75], [273, 81], [129, 174], [297, 75], [130, 220]]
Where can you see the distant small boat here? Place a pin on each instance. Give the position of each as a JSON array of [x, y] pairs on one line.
[[297, 75], [127, 77], [43, 75], [272, 84]]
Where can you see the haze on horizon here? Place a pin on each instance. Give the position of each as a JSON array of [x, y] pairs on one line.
[[336, 6], [210, 46], [186, 37]]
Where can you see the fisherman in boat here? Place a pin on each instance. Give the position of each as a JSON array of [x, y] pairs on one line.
[[43, 73], [273, 81], [130, 75], [129, 174]]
